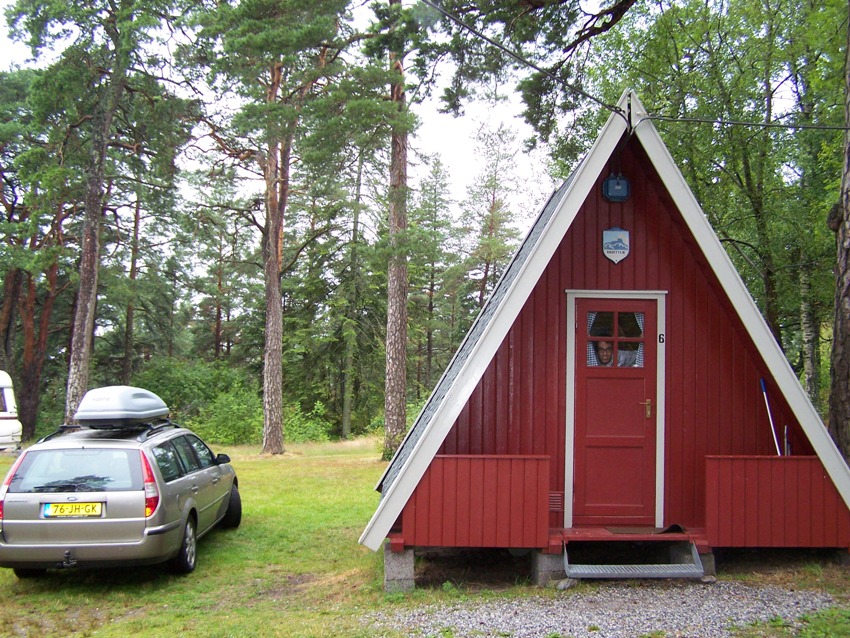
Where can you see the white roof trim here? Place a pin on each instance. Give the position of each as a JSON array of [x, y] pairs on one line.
[[742, 301], [394, 500], [399, 491]]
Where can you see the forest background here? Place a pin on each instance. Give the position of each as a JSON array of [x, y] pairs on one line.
[[211, 200]]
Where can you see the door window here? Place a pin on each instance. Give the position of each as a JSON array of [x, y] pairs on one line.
[[186, 454], [205, 456], [615, 339], [166, 459]]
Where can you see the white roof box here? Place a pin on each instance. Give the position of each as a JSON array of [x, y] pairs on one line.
[[119, 405]]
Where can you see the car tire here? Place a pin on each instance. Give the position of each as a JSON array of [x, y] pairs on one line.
[[186, 559], [29, 572], [233, 515]]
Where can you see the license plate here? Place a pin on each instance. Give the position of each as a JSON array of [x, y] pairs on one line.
[[72, 510]]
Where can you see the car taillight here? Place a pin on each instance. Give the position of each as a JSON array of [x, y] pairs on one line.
[[8, 480], [151, 490]]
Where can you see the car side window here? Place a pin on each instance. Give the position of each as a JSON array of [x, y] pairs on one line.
[[205, 455], [166, 459], [186, 454]]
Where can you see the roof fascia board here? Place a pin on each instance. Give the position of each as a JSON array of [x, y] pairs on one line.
[[393, 502], [742, 301]]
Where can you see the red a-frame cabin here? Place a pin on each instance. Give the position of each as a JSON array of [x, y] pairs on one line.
[[698, 428]]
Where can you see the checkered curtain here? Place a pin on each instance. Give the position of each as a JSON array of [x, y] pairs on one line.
[[591, 350], [639, 319]]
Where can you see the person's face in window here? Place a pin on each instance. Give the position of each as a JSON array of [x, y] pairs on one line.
[[604, 352]]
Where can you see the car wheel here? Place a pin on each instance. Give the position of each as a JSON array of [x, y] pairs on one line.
[[186, 558], [233, 514], [32, 572]]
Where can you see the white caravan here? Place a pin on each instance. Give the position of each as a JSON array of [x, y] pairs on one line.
[[10, 426]]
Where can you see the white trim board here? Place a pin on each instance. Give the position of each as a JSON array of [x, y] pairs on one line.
[[660, 298]]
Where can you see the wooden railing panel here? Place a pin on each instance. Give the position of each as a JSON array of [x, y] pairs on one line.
[[770, 501], [480, 501]]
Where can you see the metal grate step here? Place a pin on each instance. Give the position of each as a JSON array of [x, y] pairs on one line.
[[676, 570], [635, 571]]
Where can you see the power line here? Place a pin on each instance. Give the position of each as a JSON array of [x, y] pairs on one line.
[[722, 122], [615, 109]]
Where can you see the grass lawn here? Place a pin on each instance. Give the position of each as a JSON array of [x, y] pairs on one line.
[[294, 568]]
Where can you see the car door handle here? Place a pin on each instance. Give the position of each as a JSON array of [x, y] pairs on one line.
[[195, 489]]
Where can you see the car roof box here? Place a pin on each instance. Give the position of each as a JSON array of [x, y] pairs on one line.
[[117, 406]]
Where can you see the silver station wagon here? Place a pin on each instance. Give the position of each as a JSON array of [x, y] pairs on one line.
[[127, 487]]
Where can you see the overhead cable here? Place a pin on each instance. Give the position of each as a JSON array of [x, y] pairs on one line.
[[615, 109], [722, 122]]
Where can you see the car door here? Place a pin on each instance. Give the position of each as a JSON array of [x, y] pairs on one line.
[[203, 481], [220, 479]]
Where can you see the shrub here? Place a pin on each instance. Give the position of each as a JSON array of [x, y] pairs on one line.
[[232, 417], [301, 428], [189, 388]]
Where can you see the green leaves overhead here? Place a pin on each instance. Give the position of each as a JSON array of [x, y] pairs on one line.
[[284, 106]]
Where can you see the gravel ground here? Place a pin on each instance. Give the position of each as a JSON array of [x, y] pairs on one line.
[[611, 610]]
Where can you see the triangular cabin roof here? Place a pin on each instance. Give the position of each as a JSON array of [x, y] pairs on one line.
[[501, 310]]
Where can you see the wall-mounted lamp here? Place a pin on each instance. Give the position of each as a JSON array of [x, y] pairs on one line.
[[616, 188]]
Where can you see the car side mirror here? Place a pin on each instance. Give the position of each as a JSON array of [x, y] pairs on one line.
[[222, 458]]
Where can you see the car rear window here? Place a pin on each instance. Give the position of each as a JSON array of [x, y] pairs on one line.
[[78, 470]]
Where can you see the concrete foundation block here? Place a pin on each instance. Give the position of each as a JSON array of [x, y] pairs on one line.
[[708, 564], [546, 568], [398, 570]]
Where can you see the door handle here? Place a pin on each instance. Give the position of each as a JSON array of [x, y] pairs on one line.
[[648, 406]]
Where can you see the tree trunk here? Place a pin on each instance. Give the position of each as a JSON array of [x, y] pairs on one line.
[[83, 326], [839, 395], [810, 333], [276, 171], [273, 354], [129, 316], [350, 329], [395, 405], [35, 328], [218, 337], [11, 292], [429, 334], [82, 334]]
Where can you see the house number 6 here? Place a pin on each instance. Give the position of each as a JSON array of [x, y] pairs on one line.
[[661, 338]]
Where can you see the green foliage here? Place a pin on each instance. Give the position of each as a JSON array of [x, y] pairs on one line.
[[827, 623], [197, 291], [766, 190], [189, 388], [301, 427], [234, 417]]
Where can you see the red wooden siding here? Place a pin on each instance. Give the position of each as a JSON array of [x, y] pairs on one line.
[[480, 501], [773, 502], [712, 374]]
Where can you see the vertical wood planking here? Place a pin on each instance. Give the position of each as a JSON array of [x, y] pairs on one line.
[[770, 501], [451, 507], [714, 403]]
